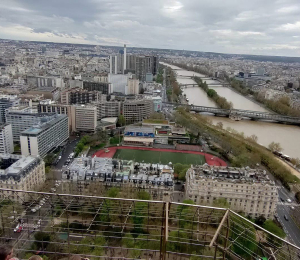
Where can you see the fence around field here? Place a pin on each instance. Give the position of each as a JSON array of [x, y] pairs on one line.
[[116, 228]]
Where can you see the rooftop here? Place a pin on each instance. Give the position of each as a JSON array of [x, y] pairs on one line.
[[230, 174], [46, 122], [18, 166], [142, 129]]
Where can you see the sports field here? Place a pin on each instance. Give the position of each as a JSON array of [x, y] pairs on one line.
[[159, 157]]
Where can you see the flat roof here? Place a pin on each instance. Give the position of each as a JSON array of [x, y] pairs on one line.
[[138, 139], [37, 129], [112, 120], [139, 129]]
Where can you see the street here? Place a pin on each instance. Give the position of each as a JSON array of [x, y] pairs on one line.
[[69, 149], [283, 208]]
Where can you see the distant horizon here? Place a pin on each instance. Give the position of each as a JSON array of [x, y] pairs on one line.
[[154, 48], [268, 28]]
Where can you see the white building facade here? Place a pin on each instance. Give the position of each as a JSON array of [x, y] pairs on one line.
[[246, 190], [39, 140], [6, 139]]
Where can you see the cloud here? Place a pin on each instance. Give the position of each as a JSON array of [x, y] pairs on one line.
[[256, 27], [288, 9], [290, 26]]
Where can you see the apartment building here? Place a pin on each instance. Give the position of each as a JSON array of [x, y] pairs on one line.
[[7, 101], [104, 87], [20, 173], [49, 106], [137, 110], [85, 118], [132, 87], [41, 139], [22, 118], [246, 190], [107, 109], [6, 139], [81, 96], [87, 175]]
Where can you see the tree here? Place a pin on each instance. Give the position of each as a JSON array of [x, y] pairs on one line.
[[243, 235], [260, 220], [271, 226], [143, 195], [297, 196], [113, 192], [295, 161], [211, 93], [42, 239], [121, 120], [254, 138], [220, 125], [221, 202], [157, 115], [275, 147]]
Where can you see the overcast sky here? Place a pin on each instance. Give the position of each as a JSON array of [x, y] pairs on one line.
[[270, 27]]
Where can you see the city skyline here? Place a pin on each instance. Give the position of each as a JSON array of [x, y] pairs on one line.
[[268, 28]]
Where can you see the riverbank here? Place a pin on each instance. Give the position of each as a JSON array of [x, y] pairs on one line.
[[251, 99]]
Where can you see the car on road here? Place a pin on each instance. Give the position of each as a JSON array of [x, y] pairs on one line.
[[282, 199], [19, 229], [16, 228], [288, 200], [292, 207], [286, 218]]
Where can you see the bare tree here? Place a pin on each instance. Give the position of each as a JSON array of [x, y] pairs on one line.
[[275, 147]]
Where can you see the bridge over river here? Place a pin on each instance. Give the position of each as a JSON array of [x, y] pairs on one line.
[[238, 114], [210, 84]]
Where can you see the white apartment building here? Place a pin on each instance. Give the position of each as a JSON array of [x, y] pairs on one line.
[[246, 190], [85, 118], [41, 139], [22, 118], [20, 173], [6, 139]]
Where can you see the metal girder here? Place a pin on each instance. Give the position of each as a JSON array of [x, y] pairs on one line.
[[219, 228]]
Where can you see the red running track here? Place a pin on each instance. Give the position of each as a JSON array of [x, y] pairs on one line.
[[210, 159]]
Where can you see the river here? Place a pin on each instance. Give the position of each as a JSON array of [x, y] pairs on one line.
[[286, 135]]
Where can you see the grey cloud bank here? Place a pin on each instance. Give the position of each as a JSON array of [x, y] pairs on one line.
[[251, 27]]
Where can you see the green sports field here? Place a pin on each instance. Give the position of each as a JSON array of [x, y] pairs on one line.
[[159, 157]]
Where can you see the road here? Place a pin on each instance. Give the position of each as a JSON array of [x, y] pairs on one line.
[[283, 208], [69, 149]]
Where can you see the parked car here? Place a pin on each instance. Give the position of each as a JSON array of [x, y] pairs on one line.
[[19, 229], [286, 218], [16, 228]]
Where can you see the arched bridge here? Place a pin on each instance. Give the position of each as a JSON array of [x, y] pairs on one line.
[[238, 114]]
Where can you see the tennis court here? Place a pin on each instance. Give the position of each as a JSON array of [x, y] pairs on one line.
[[159, 156]]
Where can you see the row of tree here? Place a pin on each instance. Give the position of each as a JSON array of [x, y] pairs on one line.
[[280, 106], [211, 93], [239, 150], [173, 89]]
